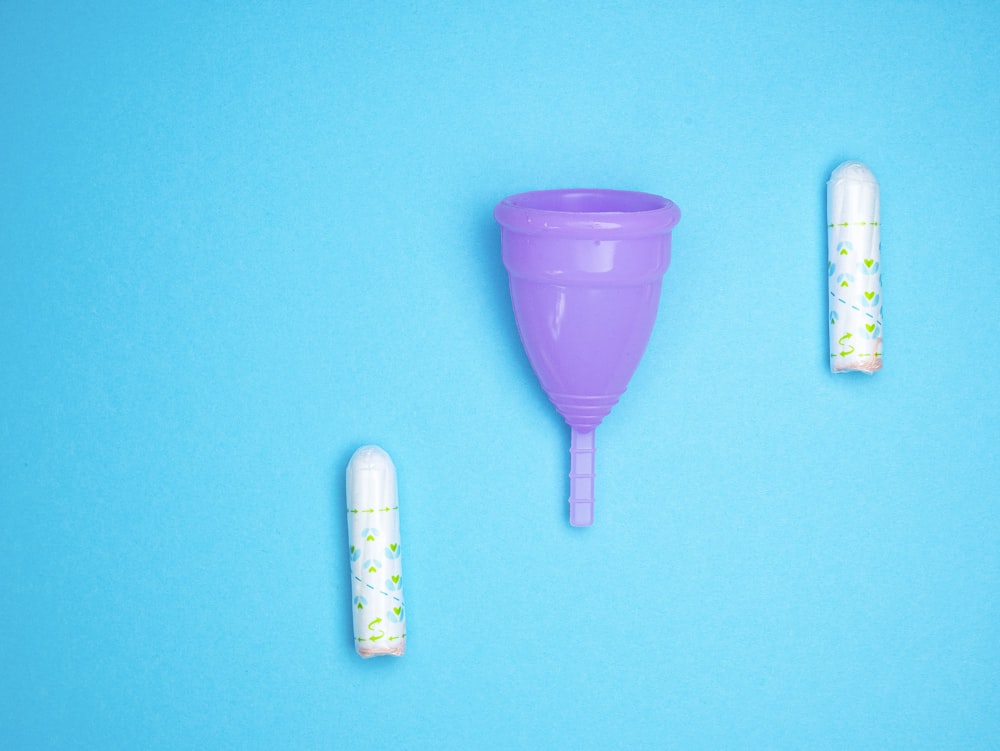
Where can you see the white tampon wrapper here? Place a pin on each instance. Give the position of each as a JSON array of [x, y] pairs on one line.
[[854, 269], [376, 554]]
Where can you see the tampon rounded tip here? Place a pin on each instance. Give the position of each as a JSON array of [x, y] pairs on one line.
[[369, 457], [856, 171]]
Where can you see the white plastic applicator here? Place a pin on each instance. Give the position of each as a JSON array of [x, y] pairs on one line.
[[376, 554], [854, 269]]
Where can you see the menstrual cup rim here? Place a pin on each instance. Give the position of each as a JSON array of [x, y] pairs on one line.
[[516, 212]]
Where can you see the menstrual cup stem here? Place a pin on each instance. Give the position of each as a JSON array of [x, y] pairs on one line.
[[581, 477]]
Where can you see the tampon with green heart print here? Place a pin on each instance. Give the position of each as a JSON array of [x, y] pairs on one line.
[[854, 269], [376, 554]]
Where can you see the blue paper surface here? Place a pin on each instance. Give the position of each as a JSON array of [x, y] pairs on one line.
[[239, 242]]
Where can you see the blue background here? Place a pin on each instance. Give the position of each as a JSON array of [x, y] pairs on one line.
[[237, 244]]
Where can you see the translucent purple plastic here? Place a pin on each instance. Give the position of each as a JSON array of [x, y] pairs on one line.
[[585, 271]]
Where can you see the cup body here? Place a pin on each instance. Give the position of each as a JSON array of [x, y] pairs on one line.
[[585, 269]]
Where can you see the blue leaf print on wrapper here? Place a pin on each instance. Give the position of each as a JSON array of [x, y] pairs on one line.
[[868, 267]]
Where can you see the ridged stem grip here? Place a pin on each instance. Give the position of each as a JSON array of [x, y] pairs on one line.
[[581, 477]]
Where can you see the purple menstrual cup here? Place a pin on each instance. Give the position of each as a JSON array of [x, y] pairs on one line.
[[585, 271]]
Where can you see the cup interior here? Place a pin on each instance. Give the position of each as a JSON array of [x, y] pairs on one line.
[[589, 201]]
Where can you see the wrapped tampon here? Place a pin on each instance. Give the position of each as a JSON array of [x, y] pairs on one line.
[[854, 269], [376, 554]]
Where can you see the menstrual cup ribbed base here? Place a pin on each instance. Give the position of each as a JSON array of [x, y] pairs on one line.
[[583, 412]]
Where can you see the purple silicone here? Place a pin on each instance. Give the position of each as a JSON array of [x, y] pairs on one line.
[[581, 477], [585, 271]]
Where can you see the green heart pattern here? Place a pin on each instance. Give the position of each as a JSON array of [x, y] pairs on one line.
[[855, 299]]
